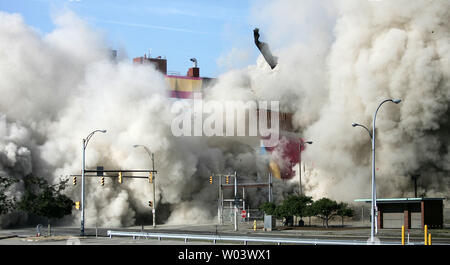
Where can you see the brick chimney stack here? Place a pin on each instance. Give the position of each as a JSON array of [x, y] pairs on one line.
[[194, 71]]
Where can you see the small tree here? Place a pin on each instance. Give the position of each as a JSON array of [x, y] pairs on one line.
[[283, 211], [6, 202], [293, 206], [301, 205], [344, 211], [325, 209], [45, 200], [268, 208]]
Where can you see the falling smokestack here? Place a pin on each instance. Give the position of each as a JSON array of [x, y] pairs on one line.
[[264, 49]]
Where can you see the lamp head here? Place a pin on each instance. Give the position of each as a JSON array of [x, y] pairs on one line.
[[309, 142], [354, 124], [103, 131], [396, 101]]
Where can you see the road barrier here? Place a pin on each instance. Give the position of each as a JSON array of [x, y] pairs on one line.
[[244, 239]]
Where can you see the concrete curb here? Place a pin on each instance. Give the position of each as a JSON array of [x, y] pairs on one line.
[[6, 237]]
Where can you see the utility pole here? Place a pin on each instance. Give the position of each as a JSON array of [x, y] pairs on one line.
[[219, 202], [270, 187], [243, 201], [236, 202], [301, 145]]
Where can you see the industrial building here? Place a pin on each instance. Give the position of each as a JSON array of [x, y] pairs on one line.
[[183, 87], [180, 87]]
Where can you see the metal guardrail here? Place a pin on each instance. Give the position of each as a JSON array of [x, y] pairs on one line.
[[244, 239]]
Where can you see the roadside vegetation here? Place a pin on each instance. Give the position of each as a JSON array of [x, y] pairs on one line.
[[38, 197], [304, 206]]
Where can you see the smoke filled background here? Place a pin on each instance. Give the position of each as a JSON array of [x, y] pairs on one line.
[[376, 50], [337, 60]]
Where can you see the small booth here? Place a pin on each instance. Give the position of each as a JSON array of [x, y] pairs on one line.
[[410, 212]]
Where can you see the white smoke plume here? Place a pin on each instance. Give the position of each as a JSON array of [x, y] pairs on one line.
[[386, 49], [337, 61], [56, 88]]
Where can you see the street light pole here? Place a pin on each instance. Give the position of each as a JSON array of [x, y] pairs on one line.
[[236, 206], [360, 125], [154, 192], [302, 144], [152, 156], [371, 138], [82, 188], [85, 143], [374, 191]]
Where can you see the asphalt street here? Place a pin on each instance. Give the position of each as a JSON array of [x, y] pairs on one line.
[[93, 236]]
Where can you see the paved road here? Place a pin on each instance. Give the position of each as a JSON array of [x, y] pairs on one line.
[[25, 236], [94, 241]]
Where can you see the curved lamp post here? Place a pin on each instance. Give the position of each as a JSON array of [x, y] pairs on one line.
[[85, 143], [152, 156], [360, 125], [374, 193], [370, 134], [302, 144]]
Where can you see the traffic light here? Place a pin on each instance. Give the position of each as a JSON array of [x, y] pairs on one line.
[[100, 171], [150, 203], [77, 205], [74, 181], [102, 181], [120, 177], [150, 177], [210, 180], [227, 180]]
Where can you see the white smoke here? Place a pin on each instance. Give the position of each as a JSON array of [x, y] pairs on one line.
[[58, 87], [385, 49], [337, 61]]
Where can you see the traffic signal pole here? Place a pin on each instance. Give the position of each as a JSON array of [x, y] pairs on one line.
[[236, 200], [220, 202], [120, 176]]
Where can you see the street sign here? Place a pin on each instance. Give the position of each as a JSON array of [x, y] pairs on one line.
[[243, 213]]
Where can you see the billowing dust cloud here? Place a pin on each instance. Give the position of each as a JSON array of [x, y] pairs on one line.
[[337, 61]]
